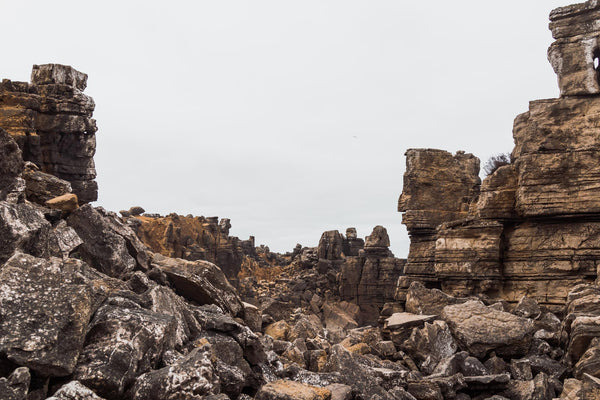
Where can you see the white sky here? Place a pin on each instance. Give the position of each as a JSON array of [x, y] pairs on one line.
[[289, 117]]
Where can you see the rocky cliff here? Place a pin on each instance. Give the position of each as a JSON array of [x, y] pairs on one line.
[[532, 227], [50, 119]]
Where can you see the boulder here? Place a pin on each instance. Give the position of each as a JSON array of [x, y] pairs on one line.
[[41, 187], [74, 390], [65, 203], [201, 282], [118, 252], [16, 385], [480, 329], [46, 307], [124, 341], [193, 377], [429, 344], [23, 228], [420, 300]]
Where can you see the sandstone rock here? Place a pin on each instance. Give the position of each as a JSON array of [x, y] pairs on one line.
[[193, 377], [124, 341], [572, 54], [16, 386], [480, 329], [201, 282], [430, 344], [288, 390], [44, 315], [74, 390], [65, 203]]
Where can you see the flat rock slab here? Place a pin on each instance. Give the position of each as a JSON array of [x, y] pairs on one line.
[[406, 320], [288, 390]]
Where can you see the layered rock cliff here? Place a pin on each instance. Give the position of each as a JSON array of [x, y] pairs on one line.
[[532, 227], [51, 121]]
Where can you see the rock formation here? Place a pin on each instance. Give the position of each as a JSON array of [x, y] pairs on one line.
[[50, 119], [96, 306], [531, 227]]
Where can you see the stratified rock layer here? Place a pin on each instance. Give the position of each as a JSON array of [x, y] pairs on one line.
[[51, 120], [532, 229]]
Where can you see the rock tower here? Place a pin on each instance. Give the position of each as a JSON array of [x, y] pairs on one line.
[[532, 228]]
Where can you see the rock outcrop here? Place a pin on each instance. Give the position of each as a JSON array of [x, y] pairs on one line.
[[50, 119], [531, 228]]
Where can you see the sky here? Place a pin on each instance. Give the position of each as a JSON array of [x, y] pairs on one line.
[[288, 117]]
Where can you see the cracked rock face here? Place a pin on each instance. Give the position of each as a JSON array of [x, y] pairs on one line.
[[44, 314], [480, 329]]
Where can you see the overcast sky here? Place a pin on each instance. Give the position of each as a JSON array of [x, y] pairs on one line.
[[289, 117]]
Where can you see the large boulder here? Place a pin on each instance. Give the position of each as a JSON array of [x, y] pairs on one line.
[[16, 385], [480, 329], [45, 307], [201, 282], [41, 187], [108, 245], [124, 340], [190, 378], [23, 228]]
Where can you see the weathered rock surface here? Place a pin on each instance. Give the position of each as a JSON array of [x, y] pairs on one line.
[[531, 229], [11, 167], [117, 252], [201, 282], [480, 329], [369, 280], [74, 390], [50, 119], [44, 314]]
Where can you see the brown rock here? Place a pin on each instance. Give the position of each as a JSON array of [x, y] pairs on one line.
[[278, 330], [288, 390], [65, 203]]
